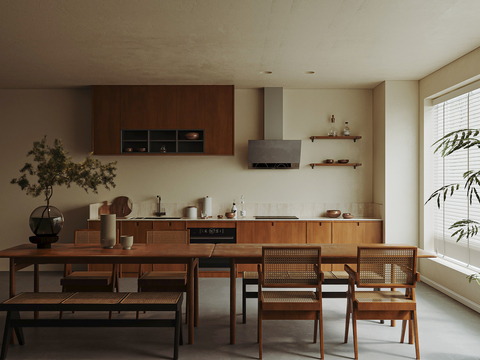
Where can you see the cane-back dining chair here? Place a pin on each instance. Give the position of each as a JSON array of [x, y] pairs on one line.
[[290, 267], [168, 281], [384, 267], [94, 281]]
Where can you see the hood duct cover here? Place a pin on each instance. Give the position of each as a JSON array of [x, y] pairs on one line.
[[274, 154]]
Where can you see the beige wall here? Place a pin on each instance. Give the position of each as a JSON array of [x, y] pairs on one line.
[[379, 147], [449, 279], [27, 115]]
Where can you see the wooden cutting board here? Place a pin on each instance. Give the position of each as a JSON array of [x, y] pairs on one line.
[[121, 206], [104, 209]]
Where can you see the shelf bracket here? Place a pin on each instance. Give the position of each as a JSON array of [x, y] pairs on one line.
[[355, 140], [312, 165], [313, 139], [354, 166]]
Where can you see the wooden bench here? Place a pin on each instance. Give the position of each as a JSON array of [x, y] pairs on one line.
[[331, 278], [91, 301]]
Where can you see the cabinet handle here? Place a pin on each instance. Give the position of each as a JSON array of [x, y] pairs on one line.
[[272, 223], [319, 224], [170, 223], [358, 224]]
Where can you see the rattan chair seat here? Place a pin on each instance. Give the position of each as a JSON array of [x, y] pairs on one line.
[[152, 298], [381, 296], [39, 298], [289, 296], [340, 274], [250, 275], [91, 278], [95, 298]]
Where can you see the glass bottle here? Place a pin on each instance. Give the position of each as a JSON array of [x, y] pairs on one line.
[[346, 129], [243, 213], [333, 129]]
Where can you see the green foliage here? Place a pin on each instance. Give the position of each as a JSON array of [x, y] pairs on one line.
[[55, 168], [447, 145]]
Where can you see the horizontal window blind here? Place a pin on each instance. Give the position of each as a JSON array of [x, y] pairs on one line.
[[461, 112]]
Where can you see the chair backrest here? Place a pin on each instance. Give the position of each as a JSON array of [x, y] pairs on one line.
[[168, 237], [389, 266], [291, 266], [86, 236]]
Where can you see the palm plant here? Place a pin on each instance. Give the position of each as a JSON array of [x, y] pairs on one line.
[[447, 145]]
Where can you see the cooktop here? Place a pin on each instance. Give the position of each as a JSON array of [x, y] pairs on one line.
[[275, 217]]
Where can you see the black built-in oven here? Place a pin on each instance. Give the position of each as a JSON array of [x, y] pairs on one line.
[[213, 236]]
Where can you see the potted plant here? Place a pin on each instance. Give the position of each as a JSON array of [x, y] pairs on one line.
[[447, 145], [55, 168]]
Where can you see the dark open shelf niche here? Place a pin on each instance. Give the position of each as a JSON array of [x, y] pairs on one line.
[[173, 140]]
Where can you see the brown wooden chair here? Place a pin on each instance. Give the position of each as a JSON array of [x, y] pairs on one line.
[[386, 267], [91, 281], [291, 267], [168, 281]]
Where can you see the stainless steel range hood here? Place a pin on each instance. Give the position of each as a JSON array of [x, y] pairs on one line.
[[273, 152]]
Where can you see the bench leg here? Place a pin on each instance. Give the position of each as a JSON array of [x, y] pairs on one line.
[[7, 335], [18, 330], [178, 327], [244, 301]]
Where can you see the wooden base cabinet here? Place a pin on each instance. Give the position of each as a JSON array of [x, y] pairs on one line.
[[320, 232]]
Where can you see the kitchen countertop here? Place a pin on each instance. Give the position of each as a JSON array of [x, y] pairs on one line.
[[252, 219]]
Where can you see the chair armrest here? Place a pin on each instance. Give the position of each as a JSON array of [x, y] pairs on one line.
[[418, 276], [322, 276], [351, 273], [260, 282]]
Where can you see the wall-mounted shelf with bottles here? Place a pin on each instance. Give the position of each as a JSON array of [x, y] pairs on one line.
[[161, 142], [336, 164], [354, 138]]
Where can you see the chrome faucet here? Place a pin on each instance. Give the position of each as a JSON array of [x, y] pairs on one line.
[[159, 212]]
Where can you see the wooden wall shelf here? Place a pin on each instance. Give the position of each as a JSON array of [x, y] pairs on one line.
[[354, 138], [336, 164]]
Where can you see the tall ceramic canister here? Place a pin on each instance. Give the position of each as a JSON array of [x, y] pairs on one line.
[[108, 231], [207, 206]]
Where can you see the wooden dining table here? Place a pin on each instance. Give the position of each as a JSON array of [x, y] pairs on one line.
[[25, 255], [252, 254]]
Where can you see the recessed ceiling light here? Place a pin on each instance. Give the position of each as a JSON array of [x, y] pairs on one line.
[[309, 72], [266, 72]]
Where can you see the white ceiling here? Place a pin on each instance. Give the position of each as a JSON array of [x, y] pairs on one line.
[[348, 44]]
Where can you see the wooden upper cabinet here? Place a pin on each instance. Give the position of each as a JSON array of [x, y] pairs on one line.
[[190, 107], [219, 120], [148, 107], [105, 120]]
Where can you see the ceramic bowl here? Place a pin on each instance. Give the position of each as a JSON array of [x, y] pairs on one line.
[[128, 150], [230, 215], [220, 216], [329, 161], [191, 136], [347, 216], [141, 149], [333, 213], [343, 161]]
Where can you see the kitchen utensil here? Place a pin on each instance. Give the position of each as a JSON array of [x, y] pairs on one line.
[[333, 213], [230, 215], [343, 161], [329, 161], [104, 209], [347, 216], [191, 136], [121, 206], [126, 241]]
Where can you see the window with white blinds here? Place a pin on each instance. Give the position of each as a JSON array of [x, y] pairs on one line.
[[460, 112]]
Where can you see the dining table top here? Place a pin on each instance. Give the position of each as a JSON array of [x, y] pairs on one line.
[[330, 252], [78, 253]]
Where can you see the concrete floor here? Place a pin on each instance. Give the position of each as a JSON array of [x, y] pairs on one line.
[[447, 330]]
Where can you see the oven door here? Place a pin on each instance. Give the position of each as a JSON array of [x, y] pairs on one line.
[[204, 236]]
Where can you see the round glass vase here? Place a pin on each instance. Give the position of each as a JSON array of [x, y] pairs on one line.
[[45, 222]]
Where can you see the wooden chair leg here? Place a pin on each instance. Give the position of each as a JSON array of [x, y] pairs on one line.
[[404, 328], [244, 301], [354, 326], [109, 315], [347, 322], [415, 326], [410, 332], [260, 350], [320, 318], [315, 327]]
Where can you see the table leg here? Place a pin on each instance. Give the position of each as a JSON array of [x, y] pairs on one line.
[[233, 298], [12, 290], [36, 284], [196, 294], [190, 295]]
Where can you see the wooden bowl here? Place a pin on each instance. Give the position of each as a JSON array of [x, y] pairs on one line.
[[220, 216], [128, 150], [329, 161], [230, 215], [347, 216], [191, 136], [141, 149], [333, 213], [343, 161]]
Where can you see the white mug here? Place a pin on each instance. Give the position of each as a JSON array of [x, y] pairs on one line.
[[126, 241]]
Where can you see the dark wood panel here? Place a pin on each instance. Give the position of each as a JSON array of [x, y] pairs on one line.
[[105, 120], [219, 120], [190, 107]]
